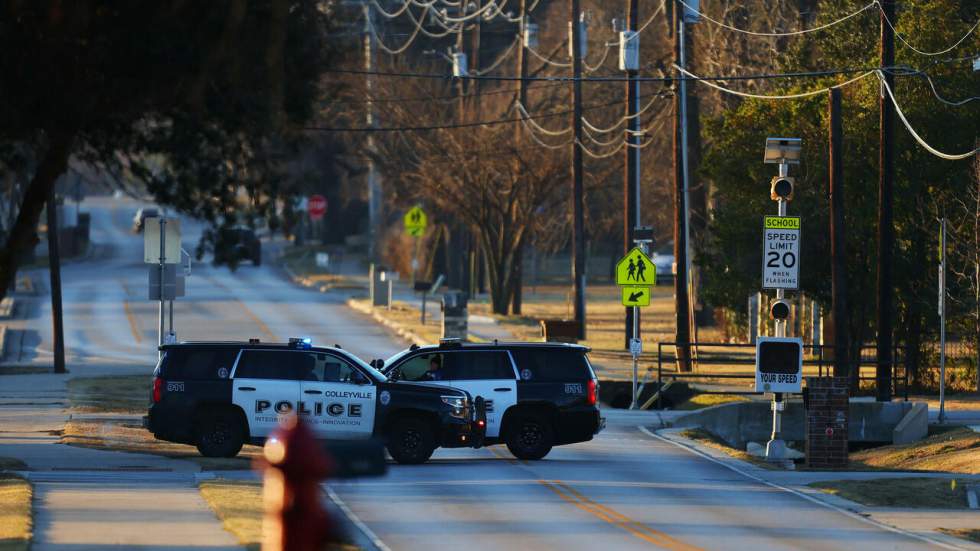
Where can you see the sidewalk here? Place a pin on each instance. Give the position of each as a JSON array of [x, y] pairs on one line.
[[920, 523], [93, 499]]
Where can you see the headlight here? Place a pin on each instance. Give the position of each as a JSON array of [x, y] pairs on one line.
[[458, 403]]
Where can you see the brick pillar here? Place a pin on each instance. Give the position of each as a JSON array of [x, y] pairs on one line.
[[826, 422]]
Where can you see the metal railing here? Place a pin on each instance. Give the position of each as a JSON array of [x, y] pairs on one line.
[[813, 355]]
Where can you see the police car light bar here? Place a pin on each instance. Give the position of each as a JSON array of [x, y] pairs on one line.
[[450, 342], [296, 342]]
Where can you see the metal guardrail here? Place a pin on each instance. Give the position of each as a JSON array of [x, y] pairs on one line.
[[814, 358]]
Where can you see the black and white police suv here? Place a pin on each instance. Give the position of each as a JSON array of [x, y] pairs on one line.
[[219, 395], [537, 395]]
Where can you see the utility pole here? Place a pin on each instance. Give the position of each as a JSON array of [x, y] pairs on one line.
[[631, 181], [838, 268], [942, 320], [578, 207], [373, 178], [517, 296], [54, 270], [886, 233], [682, 331]]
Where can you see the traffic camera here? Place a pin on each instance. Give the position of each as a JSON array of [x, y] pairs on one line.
[[779, 310], [782, 188]]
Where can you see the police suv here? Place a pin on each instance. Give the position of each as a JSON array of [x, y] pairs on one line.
[[219, 395], [537, 395]]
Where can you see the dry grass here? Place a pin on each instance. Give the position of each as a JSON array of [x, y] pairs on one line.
[[239, 506], [700, 401], [971, 534], [955, 402], [953, 451], [115, 436], [917, 493], [127, 393], [708, 439], [15, 513], [302, 262]]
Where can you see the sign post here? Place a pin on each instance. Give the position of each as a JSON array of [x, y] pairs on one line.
[[316, 207], [942, 320], [161, 246], [781, 271], [415, 223], [636, 274]]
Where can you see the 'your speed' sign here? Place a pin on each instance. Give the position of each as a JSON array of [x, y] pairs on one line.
[[781, 252]]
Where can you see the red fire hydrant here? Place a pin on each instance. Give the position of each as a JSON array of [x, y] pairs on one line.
[[294, 465]]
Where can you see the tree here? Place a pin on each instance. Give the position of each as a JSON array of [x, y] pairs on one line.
[[180, 94], [923, 182]]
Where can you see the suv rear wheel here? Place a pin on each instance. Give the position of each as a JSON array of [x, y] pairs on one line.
[[220, 434], [530, 436], [411, 441]]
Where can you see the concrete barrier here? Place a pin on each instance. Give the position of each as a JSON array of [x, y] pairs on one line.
[[743, 422], [914, 426]]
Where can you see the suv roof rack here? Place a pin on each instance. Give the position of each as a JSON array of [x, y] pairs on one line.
[[451, 343]]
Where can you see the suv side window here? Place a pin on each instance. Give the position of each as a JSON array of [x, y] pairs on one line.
[[414, 368], [480, 365], [276, 364], [198, 363], [332, 369], [552, 365]]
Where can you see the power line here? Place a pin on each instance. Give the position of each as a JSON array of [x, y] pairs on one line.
[[917, 50], [778, 34], [922, 142], [707, 82]]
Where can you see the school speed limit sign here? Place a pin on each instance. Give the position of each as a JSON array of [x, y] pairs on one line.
[[781, 252]]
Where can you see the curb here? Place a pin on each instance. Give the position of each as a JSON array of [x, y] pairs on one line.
[[410, 336]]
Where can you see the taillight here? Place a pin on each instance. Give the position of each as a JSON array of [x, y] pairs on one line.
[[157, 389], [593, 390]]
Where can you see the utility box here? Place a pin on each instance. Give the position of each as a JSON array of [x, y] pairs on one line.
[[629, 51], [827, 402], [379, 286], [455, 315], [559, 331]]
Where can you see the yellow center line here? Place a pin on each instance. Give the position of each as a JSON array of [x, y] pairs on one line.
[[669, 542], [129, 314], [248, 312]]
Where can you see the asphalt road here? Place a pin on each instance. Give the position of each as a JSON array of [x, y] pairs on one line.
[[626, 489]]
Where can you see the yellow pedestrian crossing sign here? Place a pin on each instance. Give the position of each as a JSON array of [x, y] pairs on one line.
[[636, 269], [636, 296], [416, 221]]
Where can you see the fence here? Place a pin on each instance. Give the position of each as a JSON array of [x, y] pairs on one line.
[[818, 356]]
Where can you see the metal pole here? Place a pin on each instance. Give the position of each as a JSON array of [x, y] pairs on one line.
[[776, 448], [163, 252], [578, 206], [942, 321], [636, 330], [837, 264], [886, 233], [688, 276], [373, 178], [631, 181], [682, 334], [54, 272]]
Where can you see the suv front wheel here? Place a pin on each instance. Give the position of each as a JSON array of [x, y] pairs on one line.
[[530, 436], [220, 434], [411, 441]]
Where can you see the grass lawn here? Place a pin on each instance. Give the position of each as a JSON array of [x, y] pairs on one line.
[[126, 393], [118, 436], [15, 513], [239, 506], [954, 402], [956, 450], [700, 401], [919, 493], [302, 262]]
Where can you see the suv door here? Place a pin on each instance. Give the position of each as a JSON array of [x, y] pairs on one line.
[[486, 373], [337, 401], [266, 386]]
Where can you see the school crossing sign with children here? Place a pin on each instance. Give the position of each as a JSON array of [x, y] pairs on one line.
[[637, 275]]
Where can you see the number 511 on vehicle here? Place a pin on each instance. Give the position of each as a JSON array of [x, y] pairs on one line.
[[781, 252]]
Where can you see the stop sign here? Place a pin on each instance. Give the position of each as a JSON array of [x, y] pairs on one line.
[[317, 206]]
